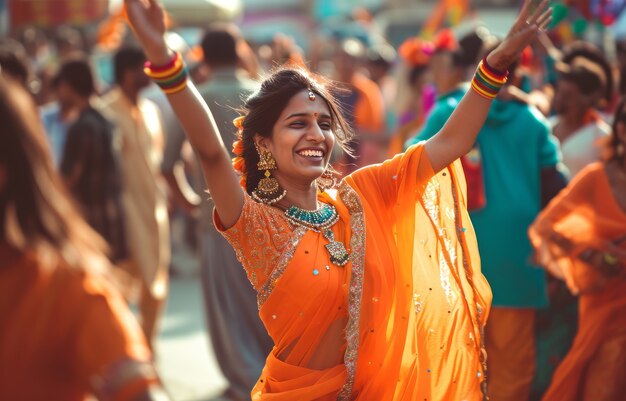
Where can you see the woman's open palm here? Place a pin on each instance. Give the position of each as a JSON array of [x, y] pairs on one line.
[[524, 31], [147, 20]]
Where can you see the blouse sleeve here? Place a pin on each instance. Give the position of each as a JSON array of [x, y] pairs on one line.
[[259, 237]]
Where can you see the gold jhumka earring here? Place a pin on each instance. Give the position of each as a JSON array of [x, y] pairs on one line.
[[267, 191]]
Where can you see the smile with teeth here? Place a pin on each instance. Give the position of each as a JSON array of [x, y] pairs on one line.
[[311, 153]]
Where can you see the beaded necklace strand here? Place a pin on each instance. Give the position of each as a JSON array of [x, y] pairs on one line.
[[321, 221]]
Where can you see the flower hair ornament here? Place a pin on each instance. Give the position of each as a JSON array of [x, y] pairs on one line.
[[239, 163], [416, 52]]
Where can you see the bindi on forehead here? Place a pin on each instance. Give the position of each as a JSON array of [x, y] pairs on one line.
[[301, 105]]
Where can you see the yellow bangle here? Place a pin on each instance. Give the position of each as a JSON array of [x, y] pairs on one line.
[[176, 89], [482, 93]]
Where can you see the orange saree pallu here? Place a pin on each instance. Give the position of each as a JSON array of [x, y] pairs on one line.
[[587, 214], [403, 320]]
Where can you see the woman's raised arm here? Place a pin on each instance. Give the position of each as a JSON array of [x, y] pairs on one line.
[[147, 21], [458, 135]]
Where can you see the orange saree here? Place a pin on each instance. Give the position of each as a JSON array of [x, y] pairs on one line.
[[402, 320], [66, 333], [587, 214]]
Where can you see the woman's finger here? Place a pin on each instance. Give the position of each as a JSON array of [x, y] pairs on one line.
[[538, 12], [545, 15], [523, 14], [545, 24], [521, 17]]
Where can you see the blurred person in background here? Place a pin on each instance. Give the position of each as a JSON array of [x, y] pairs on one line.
[[239, 339], [143, 199], [416, 99], [58, 115], [578, 125], [451, 65], [14, 62], [65, 331], [620, 50], [517, 157], [595, 55], [380, 60], [363, 105], [38, 47], [182, 224], [69, 43], [90, 164], [581, 239], [556, 326]]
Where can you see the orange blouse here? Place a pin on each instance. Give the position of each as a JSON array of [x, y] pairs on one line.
[[402, 320], [64, 333]]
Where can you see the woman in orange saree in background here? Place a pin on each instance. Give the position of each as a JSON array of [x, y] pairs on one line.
[[65, 332], [371, 289], [581, 238]]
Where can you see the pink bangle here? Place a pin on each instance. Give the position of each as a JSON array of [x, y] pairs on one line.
[[162, 68]]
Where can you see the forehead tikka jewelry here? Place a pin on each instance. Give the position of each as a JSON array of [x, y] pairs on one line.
[[311, 95]]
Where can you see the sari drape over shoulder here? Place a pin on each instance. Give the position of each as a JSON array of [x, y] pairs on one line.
[[402, 320], [588, 215]]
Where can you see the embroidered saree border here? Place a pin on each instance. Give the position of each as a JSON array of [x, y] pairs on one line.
[[283, 261], [357, 255]]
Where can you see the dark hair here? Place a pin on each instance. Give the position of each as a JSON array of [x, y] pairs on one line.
[[469, 50], [592, 53], [33, 201], [620, 117], [77, 75], [127, 58], [219, 46], [587, 81], [416, 73], [263, 108], [14, 61]]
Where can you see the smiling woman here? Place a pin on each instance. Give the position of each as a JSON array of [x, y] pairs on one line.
[[294, 118], [370, 287]]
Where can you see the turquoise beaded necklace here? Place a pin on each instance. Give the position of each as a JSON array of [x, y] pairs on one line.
[[321, 221], [316, 220]]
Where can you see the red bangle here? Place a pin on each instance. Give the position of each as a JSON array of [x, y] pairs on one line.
[[162, 68], [491, 70]]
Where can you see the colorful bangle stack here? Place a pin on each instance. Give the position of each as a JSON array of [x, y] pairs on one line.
[[488, 81], [172, 77]]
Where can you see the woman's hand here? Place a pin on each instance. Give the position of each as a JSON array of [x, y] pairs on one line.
[[524, 31], [147, 19]]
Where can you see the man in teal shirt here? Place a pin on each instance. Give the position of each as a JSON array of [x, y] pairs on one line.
[[515, 145]]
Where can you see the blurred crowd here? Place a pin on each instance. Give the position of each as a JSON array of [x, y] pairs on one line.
[[109, 148]]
